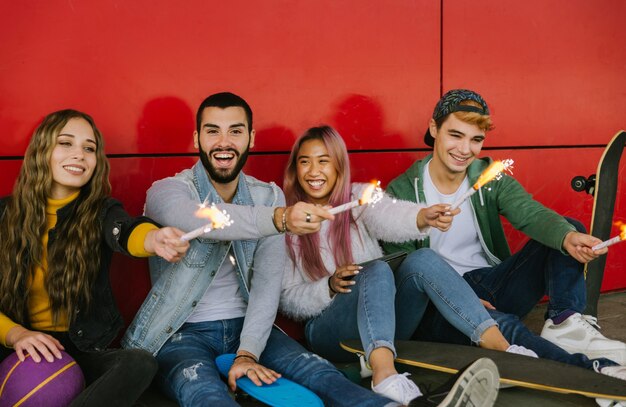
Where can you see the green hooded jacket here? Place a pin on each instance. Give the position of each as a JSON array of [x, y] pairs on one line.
[[504, 197]]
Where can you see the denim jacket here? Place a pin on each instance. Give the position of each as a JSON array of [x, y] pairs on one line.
[[259, 255]]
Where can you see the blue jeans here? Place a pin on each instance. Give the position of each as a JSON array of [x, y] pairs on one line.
[[517, 284], [514, 287], [187, 371], [382, 307]]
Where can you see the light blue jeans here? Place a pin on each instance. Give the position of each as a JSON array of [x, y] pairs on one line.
[[187, 371], [383, 307]]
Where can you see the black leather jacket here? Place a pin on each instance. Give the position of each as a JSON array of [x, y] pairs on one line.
[[94, 328]]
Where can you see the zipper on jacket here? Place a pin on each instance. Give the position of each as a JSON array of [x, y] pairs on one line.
[[417, 198], [490, 256]]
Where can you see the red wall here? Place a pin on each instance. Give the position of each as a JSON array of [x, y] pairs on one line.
[[552, 72]]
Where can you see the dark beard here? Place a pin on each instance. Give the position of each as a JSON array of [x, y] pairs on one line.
[[221, 176]]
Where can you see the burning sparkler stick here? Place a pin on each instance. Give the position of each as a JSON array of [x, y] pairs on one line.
[[494, 171], [372, 194], [218, 220], [612, 241]]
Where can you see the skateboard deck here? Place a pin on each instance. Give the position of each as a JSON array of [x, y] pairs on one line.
[[282, 393], [516, 370], [604, 192]]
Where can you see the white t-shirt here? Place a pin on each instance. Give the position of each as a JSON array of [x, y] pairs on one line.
[[223, 299], [460, 245]]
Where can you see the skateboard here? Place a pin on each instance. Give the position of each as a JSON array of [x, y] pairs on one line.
[[515, 370], [282, 393], [603, 186]]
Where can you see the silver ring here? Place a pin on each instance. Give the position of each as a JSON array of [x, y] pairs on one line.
[[308, 218]]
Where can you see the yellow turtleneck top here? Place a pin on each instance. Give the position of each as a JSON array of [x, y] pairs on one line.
[[40, 312]]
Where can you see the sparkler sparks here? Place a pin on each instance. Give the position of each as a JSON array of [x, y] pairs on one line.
[[494, 171], [217, 220], [370, 196], [619, 238]]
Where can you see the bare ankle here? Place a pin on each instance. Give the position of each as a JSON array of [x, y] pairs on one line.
[[381, 361], [492, 338]]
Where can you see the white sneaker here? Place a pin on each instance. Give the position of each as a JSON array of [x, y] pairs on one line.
[[520, 350], [579, 334], [619, 372], [610, 403], [366, 371], [398, 388], [476, 385]]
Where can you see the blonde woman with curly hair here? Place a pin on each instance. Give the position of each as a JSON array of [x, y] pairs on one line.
[[58, 231]]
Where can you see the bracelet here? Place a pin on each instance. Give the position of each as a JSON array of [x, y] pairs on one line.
[[245, 356], [285, 230], [330, 286]]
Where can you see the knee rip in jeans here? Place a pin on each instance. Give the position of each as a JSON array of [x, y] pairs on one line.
[[190, 374], [310, 355]]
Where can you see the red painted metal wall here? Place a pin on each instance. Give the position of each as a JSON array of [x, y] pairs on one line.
[[553, 73]]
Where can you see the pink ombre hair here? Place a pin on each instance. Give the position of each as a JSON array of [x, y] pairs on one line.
[[307, 248]]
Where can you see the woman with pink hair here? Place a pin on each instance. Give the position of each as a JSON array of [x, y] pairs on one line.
[[340, 299]]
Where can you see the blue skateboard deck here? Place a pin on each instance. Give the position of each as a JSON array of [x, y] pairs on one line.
[[282, 393]]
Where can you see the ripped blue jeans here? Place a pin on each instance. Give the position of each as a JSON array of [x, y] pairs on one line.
[[187, 371]]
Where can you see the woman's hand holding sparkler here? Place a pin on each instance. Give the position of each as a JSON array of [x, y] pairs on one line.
[[166, 242], [437, 216], [301, 218], [579, 246]]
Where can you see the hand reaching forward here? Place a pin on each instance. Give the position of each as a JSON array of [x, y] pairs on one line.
[[438, 216], [165, 242], [303, 218], [579, 245]]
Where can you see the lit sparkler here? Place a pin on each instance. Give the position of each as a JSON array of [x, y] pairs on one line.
[[372, 194], [494, 171], [218, 220], [612, 241]]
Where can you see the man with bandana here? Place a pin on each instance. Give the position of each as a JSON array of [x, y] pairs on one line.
[[223, 296], [551, 263]]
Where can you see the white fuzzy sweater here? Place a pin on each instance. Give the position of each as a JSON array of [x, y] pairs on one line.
[[390, 220]]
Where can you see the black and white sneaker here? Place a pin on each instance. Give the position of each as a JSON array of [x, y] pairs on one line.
[[474, 386]]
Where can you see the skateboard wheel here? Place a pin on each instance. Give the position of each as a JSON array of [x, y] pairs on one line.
[[578, 183], [590, 187]]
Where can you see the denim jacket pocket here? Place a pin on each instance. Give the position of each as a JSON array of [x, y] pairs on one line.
[[199, 253]]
